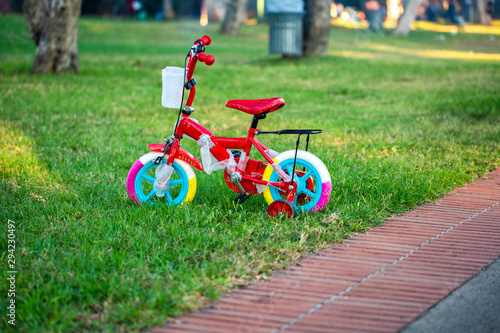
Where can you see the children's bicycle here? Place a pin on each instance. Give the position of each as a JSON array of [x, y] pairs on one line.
[[292, 181]]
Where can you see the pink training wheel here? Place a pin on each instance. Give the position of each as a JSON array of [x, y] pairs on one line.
[[281, 208]]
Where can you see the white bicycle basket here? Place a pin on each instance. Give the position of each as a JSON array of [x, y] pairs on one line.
[[172, 87]]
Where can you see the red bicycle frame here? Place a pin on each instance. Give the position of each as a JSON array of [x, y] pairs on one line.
[[188, 127]]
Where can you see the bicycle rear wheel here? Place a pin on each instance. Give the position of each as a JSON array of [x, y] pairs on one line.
[[311, 178]]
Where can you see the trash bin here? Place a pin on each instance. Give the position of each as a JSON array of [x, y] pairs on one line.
[[285, 26]]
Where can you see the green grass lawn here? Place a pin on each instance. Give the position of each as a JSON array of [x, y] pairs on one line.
[[405, 121]]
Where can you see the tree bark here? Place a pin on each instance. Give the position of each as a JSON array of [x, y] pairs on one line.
[[168, 10], [481, 11], [316, 27], [234, 16], [408, 17], [215, 10], [53, 25]]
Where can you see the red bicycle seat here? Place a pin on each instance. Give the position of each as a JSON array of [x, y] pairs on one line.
[[256, 106]]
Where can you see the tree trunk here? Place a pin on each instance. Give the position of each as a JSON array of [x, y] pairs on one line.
[[215, 10], [316, 27], [234, 16], [481, 11], [408, 17], [53, 25], [168, 10]]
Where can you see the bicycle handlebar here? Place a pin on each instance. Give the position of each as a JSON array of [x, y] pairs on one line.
[[206, 40], [208, 59], [202, 56], [197, 53]]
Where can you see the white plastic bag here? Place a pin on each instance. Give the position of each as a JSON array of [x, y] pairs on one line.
[[272, 153], [242, 164], [162, 173], [281, 173], [210, 163], [172, 87], [230, 164]]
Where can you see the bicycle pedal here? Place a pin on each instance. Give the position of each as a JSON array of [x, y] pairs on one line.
[[242, 197]]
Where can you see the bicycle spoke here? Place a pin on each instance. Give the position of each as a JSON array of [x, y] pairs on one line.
[[306, 176], [148, 178], [175, 182], [169, 197], [150, 195], [308, 193]]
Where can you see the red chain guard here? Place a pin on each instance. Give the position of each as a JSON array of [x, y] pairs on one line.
[[254, 169]]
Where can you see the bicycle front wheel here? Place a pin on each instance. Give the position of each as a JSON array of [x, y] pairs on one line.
[[181, 187]]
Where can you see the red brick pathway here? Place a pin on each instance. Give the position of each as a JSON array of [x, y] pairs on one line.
[[379, 281]]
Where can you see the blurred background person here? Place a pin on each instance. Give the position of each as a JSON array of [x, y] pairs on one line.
[[374, 15]]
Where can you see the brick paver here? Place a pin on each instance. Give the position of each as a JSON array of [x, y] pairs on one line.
[[379, 281]]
